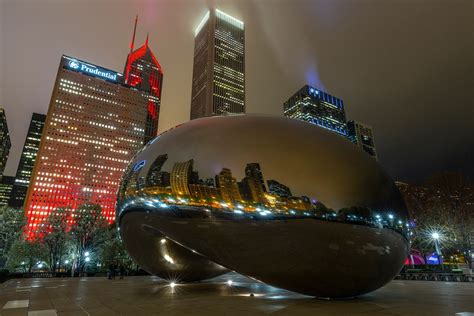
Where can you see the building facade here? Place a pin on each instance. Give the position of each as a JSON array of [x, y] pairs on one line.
[[143, 72], [362, 135], [180, 177], [276, 188], [228, 186], [218, 85], [155, 176], [94, 126], [5, 143], [6, 187], [317, 107], [204, 192], [27, 160]]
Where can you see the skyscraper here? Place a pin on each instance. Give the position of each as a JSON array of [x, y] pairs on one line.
[[143, 72], [317, 107], [6, 186], [95, 124], [180, 177], [276, 188], [219, 66], [253, 170], [228, 186], [27, 160], [5, 143], [156, 177], [252, 190], [362, 135]]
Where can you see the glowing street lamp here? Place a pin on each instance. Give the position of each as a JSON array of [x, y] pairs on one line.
[[436, 237]]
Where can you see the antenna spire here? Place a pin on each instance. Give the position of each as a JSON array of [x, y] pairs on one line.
[[146, 42], [134, 31]]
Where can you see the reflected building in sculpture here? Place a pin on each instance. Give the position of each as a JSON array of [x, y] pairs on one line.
[[156, 177], [180, 177], [218, 85], [303, 223], [228, 186], [276, 188]]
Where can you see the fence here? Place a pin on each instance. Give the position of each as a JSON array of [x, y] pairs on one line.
[[429, 276]]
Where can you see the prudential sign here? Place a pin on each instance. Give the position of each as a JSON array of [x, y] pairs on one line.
[[92, 70]]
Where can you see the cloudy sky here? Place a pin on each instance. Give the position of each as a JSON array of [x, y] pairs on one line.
[[403, 66]]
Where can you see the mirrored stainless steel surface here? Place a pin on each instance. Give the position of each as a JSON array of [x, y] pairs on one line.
[[279, 200]]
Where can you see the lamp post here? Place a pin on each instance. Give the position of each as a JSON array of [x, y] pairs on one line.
[[436, 236]]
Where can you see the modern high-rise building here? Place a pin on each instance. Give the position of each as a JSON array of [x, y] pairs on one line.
[[252, 190], [276, 188], [219, 66], [6, 187], [155, 176], [94, 126], [204, 192], [317, 107], [27, 160], [253, 185], [180, 177], [5, 143], [362, 135], [143, 72], [228, 186], [253, 170]]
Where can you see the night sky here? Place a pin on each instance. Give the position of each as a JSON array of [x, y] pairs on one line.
[[403, 67]]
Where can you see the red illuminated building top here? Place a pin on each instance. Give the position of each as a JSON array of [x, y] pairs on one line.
[[143, 71]]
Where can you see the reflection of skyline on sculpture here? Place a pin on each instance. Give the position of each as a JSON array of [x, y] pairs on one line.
[[253, 194], [182, 181]]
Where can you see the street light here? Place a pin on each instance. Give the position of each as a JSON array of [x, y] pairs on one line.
[[436, 237]]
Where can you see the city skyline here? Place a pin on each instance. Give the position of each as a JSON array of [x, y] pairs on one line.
[[369, 90]]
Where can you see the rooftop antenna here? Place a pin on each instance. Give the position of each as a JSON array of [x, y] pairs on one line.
[[134, 31]]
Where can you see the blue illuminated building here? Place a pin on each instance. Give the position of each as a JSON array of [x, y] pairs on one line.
[[317, 107]]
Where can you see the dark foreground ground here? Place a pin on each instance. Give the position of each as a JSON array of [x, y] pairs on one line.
[[153, 296]]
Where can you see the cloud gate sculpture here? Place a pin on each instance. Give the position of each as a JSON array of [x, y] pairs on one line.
[[276, 199]]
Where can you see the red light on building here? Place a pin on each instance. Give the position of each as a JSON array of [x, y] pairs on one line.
[[143, 71], [94, 126]]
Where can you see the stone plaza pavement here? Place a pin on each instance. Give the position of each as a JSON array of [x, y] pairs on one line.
[[153, 296]]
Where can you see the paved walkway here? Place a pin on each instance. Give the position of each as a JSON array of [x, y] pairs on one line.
[[152, 296]]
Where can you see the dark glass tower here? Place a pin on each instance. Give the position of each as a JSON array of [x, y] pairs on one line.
[[219, 66], [252, 170], [27, 160], [5, 143], [6, 186], [143, 72], [362, 135], [276, 188], [317, 107]]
